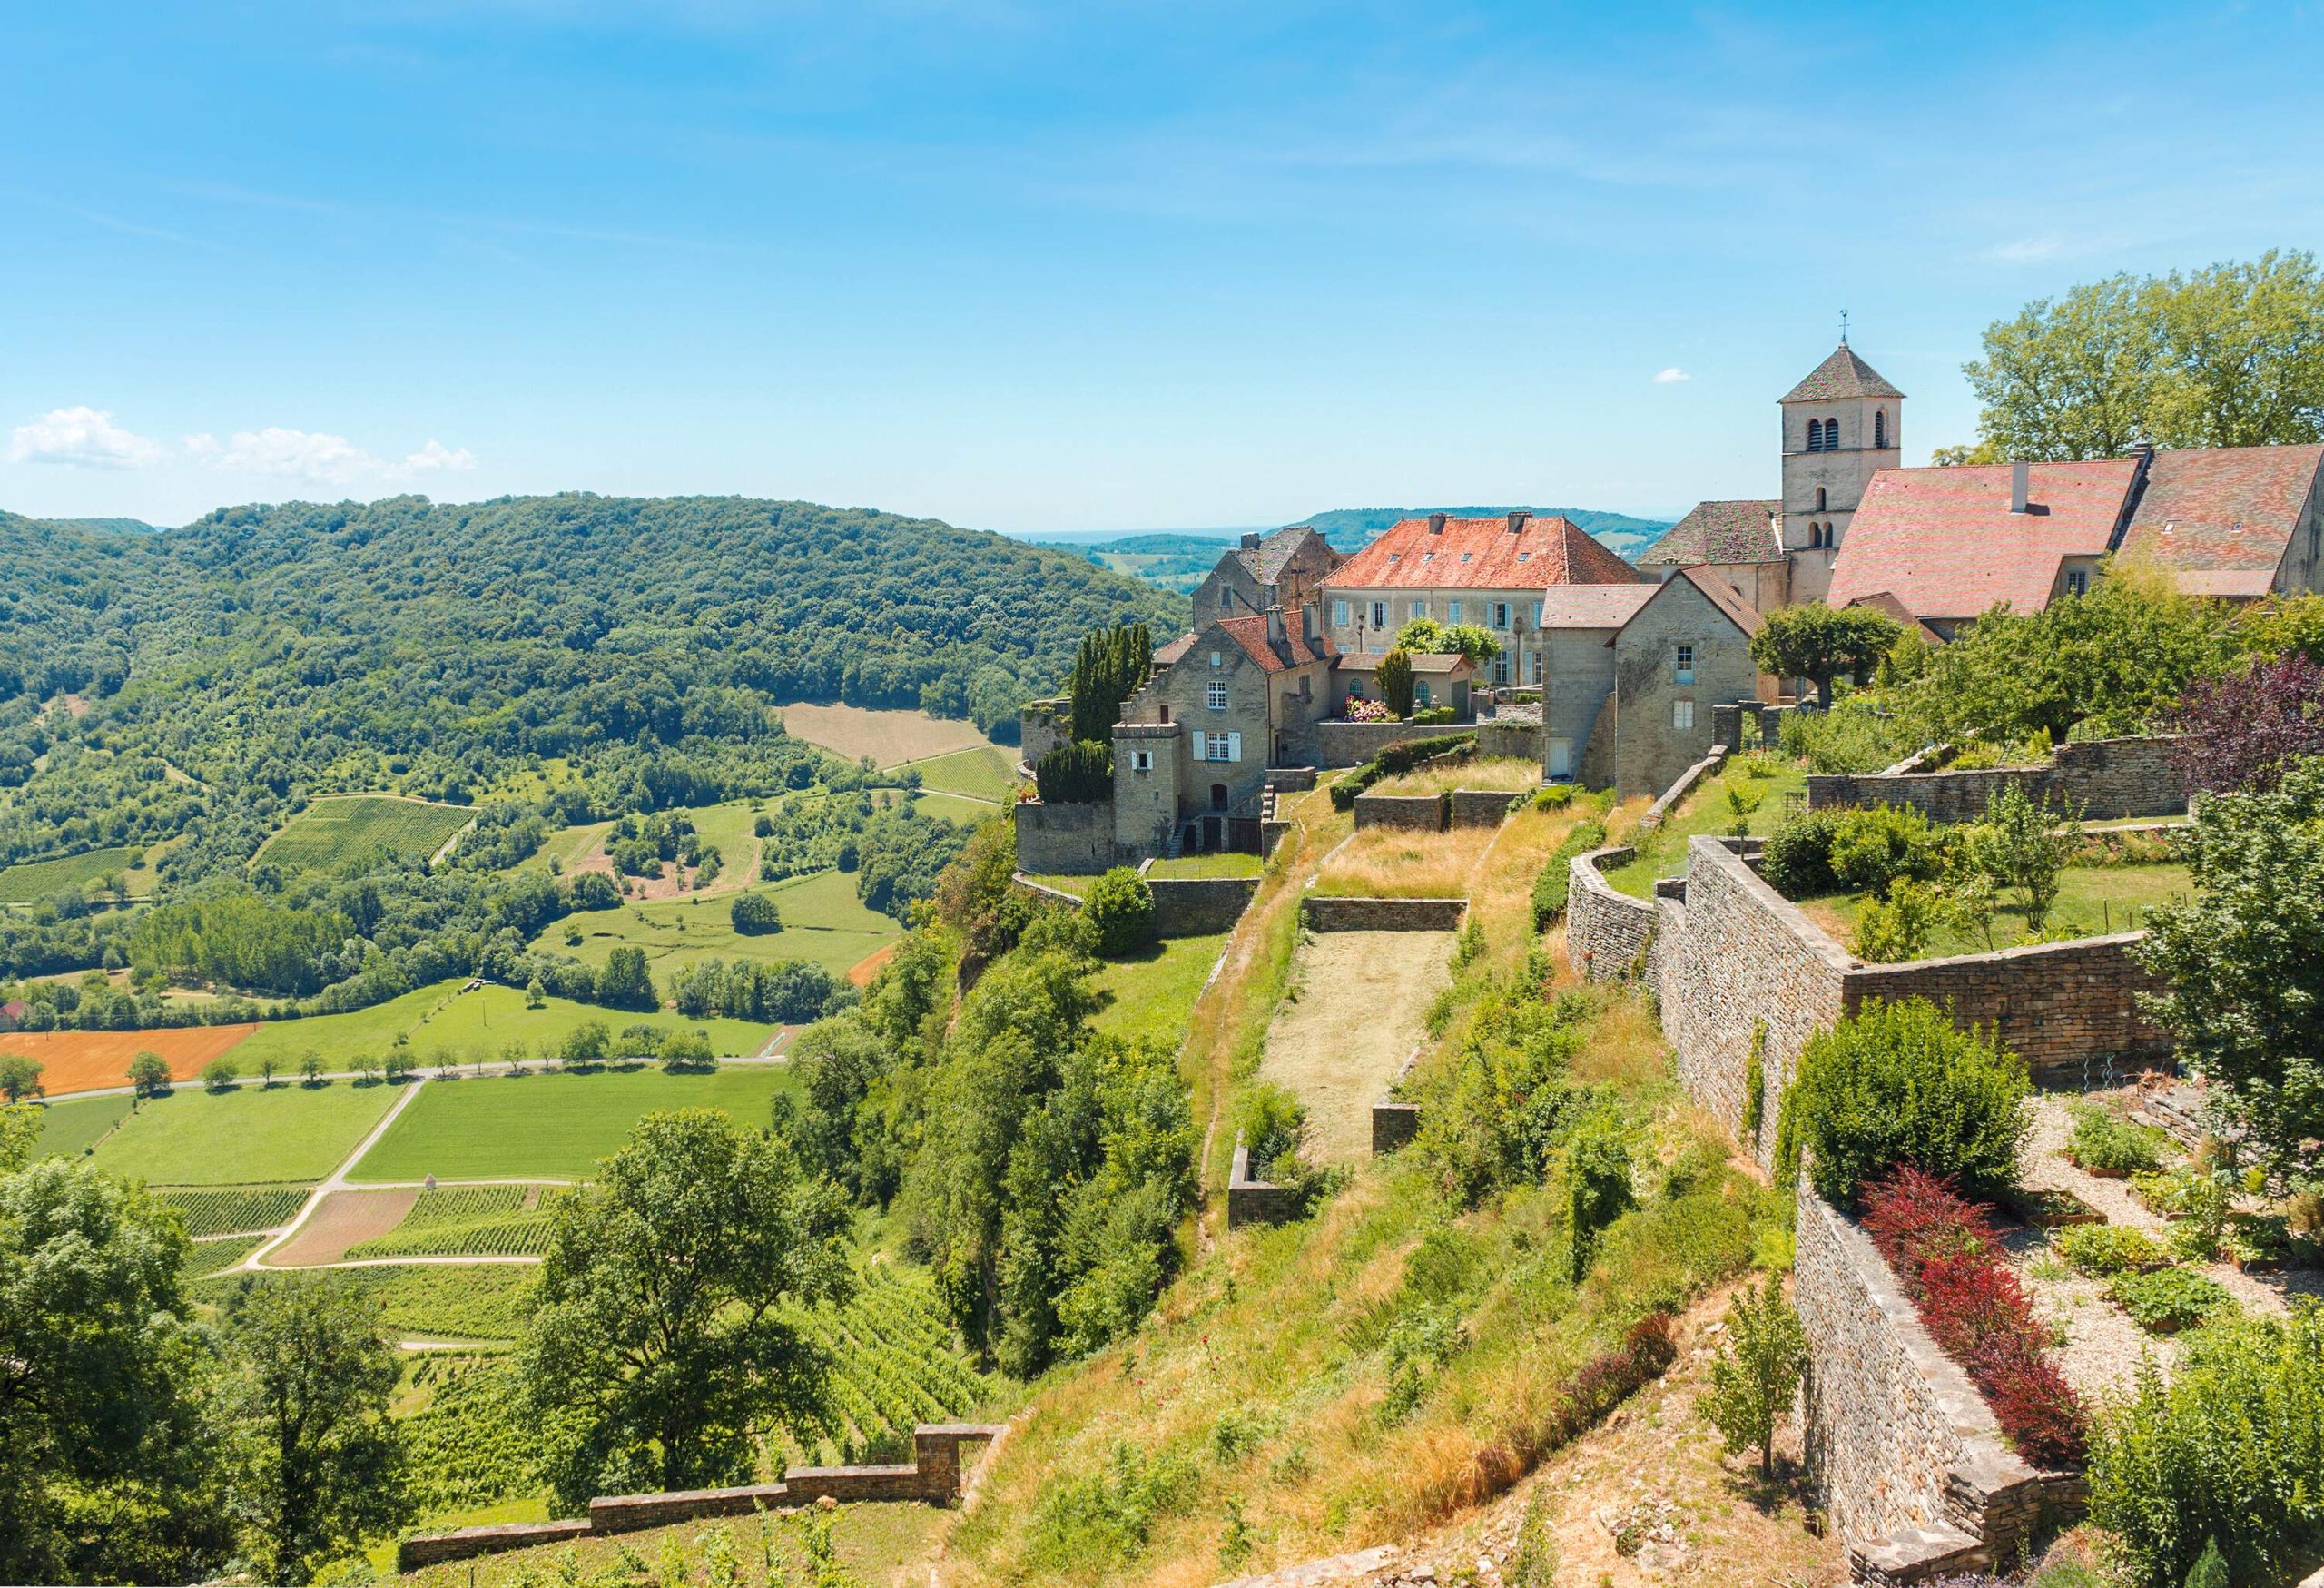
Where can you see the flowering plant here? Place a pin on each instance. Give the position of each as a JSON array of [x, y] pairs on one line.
[[1369, 711]]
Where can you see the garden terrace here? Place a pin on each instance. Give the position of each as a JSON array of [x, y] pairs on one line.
[[1392, 863], [1768, 784]]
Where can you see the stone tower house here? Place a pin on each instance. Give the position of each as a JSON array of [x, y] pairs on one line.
[[1840, 425]]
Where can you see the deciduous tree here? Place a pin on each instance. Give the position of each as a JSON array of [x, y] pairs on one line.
[[2241, 729], [19, 1077], [1819, 642], [1755, 1375]]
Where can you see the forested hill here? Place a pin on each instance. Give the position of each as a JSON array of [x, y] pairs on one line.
[[300, 648], [1352, 528]]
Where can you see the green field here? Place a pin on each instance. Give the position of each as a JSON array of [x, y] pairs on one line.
[[456, 1221], [72, 873], [483, 1024], [328, 830], [1207, 866], [822, 922], [549, 1126], [245, 1137], [2092, 902], [338, 1038], [984, 773], [959, 809], [1152, 993], [69, 1129]]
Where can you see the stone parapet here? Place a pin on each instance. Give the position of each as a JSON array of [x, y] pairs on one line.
[[467, 1543], [1607, 933], [1412, 813], [2106, 779], [1326, 913], [1521, 738], [1250, 1201], [1198, 906], [1339, 744], [1075, 840], [2067, 1009], [1479, 808]]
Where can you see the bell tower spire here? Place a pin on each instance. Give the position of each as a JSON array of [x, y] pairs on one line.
[[1841, 426]]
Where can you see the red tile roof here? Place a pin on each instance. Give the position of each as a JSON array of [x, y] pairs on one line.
[[2222, 509], [1593, 606], [1887, 603], [1294, 650], [1482, 554], [1945, 543]]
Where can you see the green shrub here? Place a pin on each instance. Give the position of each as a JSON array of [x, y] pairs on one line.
[[1430, 717], [1555, 797], [1119, 906], [2230, 1446], [1797, 859], [1898, 927], [1597, 1183], [2105, 1250], [1103, 1519], [2169, 1299], [1897, 1084], [1874, 849], [1849, 738], [2103, 1140], [1549, 889], [1078, 773]]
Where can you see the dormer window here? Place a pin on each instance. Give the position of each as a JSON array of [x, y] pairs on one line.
[[1524, 556], [1464, 557]]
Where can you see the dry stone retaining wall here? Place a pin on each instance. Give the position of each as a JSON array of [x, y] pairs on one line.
[[1607, 932], [1413, 813], [1250, 1201], [1479, 808], [2106, 778], [2063, 1007], [1326, 913], [1198, 906]]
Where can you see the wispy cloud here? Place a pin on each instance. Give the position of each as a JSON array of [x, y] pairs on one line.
[[2027, 250], [82, 438], [320, 457], [1672, 376]]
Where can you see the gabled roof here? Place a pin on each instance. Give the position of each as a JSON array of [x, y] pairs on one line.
[[1294, 650], [1944, 542], [1887, 603], [1593, 606], [1177, 650], [1719, 532], [1482, 554], [1724, 597], [1428, 664], [1841, 375], [2222, 509], [1265, 561]]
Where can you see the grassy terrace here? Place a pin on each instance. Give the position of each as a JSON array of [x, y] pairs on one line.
[[2092, 900], [1207, 865], [1506, 773], [1392, 863], [1151, 994], [1662, 853]]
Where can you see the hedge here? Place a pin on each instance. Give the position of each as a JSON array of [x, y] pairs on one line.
[[1394, 760]]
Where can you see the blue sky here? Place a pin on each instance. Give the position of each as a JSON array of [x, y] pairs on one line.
[[1032, 267]]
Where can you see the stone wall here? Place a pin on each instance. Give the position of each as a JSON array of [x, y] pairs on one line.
[[933, 1476], [2063, 1007], [1607, 932], [1479, 808], [1413, 813], [1338, 743], [1327, 914], [2107, 778], [1198, 906], [1041, 727], [1075, 840], [1250, 1201], [1518, 737], [1393, 1124], [1911, 1464]]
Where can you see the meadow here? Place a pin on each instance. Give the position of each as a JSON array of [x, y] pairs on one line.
[[331, 829], [482, 1025], [1152, 993], [550, 1126], [889, 737], [33, 879], [823, 922], [1510, 775], [1393, 862], [249, 1136], [338, 1038], [67, 1129], [959, 809]]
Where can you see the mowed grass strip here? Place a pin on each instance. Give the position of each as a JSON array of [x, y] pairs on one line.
[[984, 773], [550, 1126], [331, 829], [245, 1137]]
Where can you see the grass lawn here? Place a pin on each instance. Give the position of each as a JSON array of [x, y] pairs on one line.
[[72, 873], [67, 1129], [2092, 900], [1152, 993], [1663, 851], [1078, 886], [959, 809], [483, 1023], [248, 1136], [550, 1126], [339, 1037], [984, 773], [327, 830], [822, 922], [1506, 774], [1207, 866]]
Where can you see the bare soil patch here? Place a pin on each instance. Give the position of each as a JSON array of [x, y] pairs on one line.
[[1358, 1007], [675, 882], [96, 1060], [889, 737], [346, 1218]]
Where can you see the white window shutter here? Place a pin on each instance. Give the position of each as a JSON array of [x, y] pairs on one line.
[[1234, 747]]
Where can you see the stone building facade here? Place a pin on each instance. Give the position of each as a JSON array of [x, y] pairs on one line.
[[1687, 649], [1286, 569]]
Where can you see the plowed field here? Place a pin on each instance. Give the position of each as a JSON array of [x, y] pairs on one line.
[[93, 1060]]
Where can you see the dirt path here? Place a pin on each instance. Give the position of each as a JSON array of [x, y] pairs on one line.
[[1358, 1007], [336, 1182]]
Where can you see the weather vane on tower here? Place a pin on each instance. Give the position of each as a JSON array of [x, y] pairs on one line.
[[1843, 328]]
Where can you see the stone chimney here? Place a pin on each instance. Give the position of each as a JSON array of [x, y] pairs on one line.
[[1436, 523], [1274, 626], [1517, 520], [1307, 624], [2017, 487], [1251, 541]]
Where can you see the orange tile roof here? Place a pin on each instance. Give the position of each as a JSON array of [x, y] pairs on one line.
[[1944, 542], [1482, 554], [2222, 508], [1293, 651]]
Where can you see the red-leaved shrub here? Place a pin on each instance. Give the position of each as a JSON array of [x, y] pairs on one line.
[[1942, 1250]]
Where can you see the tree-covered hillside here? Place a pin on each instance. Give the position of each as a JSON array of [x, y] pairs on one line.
[[1352, 528]]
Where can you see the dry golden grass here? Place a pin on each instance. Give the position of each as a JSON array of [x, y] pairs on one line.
[[1502, 773], [1501, 892], [1391, 862]]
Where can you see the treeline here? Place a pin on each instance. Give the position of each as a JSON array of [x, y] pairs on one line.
[[1038, 1168], [894, 851], [789, 992]]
